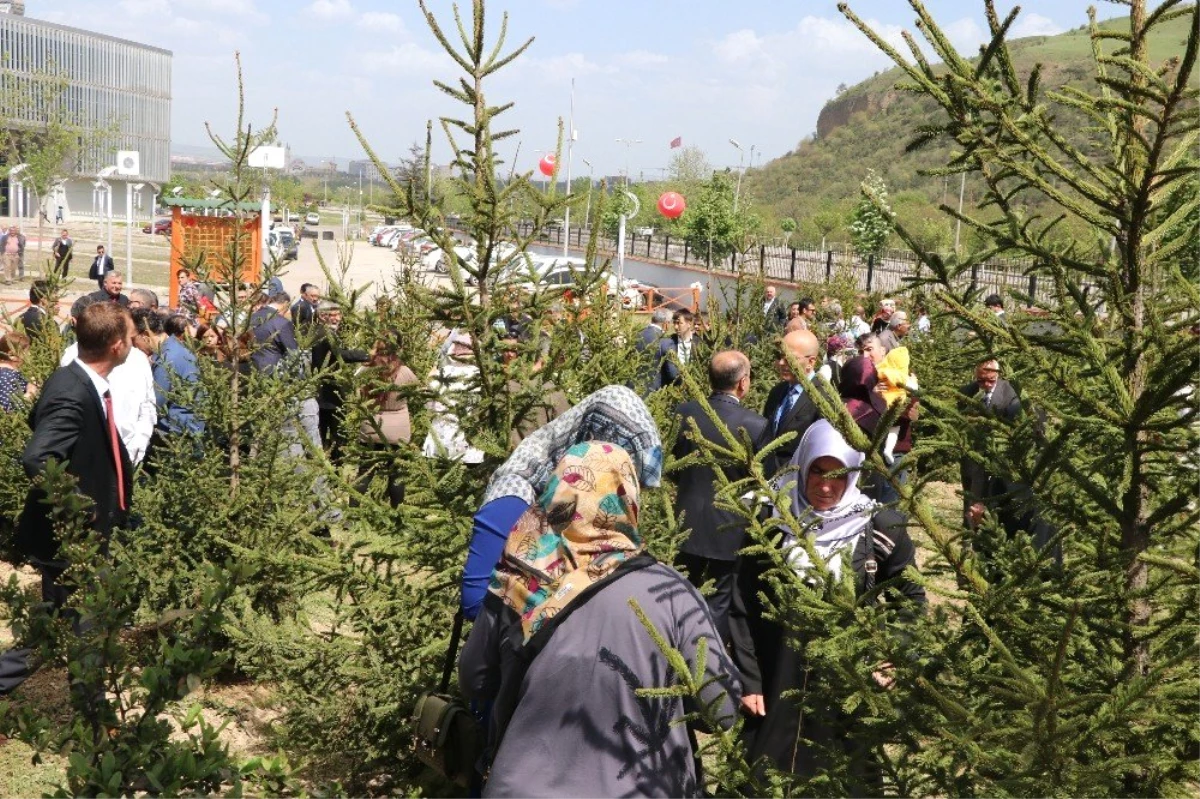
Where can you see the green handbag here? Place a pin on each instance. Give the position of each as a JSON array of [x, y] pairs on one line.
[[446, 735]]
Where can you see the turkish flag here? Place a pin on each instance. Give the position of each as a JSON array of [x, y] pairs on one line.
[[676, 142]]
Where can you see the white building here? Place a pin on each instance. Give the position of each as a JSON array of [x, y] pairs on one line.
[[109, 83]]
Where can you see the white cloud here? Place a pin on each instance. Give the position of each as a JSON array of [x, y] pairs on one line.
[[403, 59], [739, 46], [330, 8], [139, 8], [381, 21], [641, 58], [1034, 25], [556, 69], [966, 35]]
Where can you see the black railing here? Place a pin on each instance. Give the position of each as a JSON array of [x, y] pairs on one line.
[[884, 273]]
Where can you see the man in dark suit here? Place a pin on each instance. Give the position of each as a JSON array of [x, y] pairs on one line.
[[773, 308], [73, 423], [274, 334], [328, 355], [110, 290], [304, 312], [789, 408], [710, 551], [62, 251], [37, 318], [999, 399], [650, 374], [102, 264], [682, 342]]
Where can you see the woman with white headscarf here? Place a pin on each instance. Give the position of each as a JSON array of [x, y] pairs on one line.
[[455, 374], [846, 529]]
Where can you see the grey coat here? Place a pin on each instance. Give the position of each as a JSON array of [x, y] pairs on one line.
[[579, 728]]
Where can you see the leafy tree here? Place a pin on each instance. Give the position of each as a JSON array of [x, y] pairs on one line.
[[870, 223], [826, 218], [713, 228], [690, 165], [788, 226], [52, 145]]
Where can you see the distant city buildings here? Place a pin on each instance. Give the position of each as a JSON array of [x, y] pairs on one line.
[[109, 82]]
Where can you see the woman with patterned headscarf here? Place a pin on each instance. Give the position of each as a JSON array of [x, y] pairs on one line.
[[560, 651], [846, 530], [614, 414]]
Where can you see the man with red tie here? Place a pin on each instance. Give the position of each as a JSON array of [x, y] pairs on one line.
[[73, 423]]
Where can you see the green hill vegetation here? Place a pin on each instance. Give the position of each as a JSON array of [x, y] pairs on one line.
[[868, 126]]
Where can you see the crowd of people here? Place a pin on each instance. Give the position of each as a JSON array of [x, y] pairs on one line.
[[555, 656], [131, 369]]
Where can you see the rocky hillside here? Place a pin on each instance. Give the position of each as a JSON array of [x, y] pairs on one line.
[[869, 124]]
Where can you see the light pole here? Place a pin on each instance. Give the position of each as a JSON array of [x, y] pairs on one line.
[[621, 239], [571, 136], [741, 156], [107, 172], [628, 143], [130, 188], [587, 212]]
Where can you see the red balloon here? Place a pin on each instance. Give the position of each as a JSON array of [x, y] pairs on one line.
[[546, 165], [671, 204]]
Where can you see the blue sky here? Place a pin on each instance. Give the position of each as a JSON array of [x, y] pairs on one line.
[[708, 70]]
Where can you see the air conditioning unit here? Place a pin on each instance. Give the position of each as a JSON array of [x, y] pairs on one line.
[[129, 162]]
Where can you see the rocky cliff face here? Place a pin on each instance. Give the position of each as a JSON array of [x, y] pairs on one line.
[[837, 112]]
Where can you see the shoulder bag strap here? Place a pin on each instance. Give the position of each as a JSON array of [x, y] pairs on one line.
[[451, 652]]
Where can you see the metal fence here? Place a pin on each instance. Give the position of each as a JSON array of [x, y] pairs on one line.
[[802, 264]]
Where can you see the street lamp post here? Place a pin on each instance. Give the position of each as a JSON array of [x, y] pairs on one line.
[[130, 188], [587, 212], [107, 172], [628, 143], [621, 239], [570, 147], [741, 156]]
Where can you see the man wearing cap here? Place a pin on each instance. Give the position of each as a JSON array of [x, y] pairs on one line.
[[897, 329]]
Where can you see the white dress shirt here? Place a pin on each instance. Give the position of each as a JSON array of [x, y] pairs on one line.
[[683, 349], [98, 383], [132, 387]]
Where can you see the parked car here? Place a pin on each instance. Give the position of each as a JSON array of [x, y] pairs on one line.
[[644, 231], [312, 218], [282, 243], [158, 226]]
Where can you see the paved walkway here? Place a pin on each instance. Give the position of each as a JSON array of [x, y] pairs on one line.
[[364, 265]]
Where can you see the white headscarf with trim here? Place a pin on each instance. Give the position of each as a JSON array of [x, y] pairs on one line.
[[836, 531]]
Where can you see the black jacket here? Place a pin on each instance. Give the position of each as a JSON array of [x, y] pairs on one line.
[[798, 420], [63, 251], [670, 371], [715, 534], [69, 426], [100, 267], [773, 662], [104, 296], [328, 353], [979, 485], [36, 321], [274, 338]]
